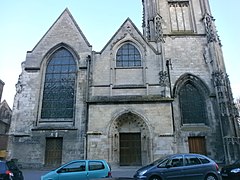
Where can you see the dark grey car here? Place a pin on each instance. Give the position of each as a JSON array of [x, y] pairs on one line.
[[10, 171], [180, 167]]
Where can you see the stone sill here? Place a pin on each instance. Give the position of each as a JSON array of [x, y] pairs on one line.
[[129, 99], [53, 128], [195, 127]]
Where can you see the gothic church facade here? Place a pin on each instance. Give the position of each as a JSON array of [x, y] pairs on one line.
[[144, 95]]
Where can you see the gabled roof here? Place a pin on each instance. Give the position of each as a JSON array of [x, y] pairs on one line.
[[5, 117], [66, 12], [1, 82], [128, 21], [5, 104]]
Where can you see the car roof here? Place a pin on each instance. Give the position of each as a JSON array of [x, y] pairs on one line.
[[87, 160], [181, 154], [184, 154]]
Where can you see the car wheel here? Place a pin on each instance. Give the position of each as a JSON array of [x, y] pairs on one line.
[[211, 177], [155, 178]]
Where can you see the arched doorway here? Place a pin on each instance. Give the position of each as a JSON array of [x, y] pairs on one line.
[[130, 140]]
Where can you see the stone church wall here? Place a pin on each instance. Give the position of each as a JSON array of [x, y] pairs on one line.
[[155, 116]]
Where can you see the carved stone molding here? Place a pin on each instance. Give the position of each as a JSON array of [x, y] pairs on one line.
[[211, 32], [158, 29], [163, 79], [218, 78]]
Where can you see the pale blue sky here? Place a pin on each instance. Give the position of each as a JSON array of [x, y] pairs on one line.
[[24, 22]]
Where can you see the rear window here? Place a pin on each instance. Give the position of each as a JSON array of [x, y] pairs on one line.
[[204, 160], [95, 165], [11, 165], [192, 160]]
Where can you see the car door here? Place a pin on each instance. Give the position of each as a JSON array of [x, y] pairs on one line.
[[174, 168], [192, 169], [3, 169], [96, 169], [73, 171]]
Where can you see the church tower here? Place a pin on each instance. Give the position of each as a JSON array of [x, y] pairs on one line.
[[188, 38]]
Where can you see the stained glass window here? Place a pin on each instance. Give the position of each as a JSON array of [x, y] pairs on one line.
[[59, 85], [192, 104], [128, 56]]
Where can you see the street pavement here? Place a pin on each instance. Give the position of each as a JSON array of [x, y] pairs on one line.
[[35, 174]]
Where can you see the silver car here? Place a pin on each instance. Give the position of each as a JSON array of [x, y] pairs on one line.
[[180, 167]]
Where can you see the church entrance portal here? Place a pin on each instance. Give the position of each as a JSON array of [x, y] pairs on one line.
[[130, 140], [130, 149]]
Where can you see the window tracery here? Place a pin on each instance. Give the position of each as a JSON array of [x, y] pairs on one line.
[[128, 56], [180, 16], [59, 93], [192, 103]]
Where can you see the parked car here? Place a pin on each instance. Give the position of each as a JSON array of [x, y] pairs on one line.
[[180, 167], [80, 169], [231, 172], [10, 171]]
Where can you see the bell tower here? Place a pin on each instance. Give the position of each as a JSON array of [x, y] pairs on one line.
[[152, 27], [173, 17], [186, 41]]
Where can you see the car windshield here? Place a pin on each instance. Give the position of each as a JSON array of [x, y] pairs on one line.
[[237, 162], [159, 161]]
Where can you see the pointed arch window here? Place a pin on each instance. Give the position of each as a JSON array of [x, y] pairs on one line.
[[180, 16], [128, 56], [192, 104], [58, 93]]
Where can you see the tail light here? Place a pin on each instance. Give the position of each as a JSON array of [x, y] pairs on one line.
[[109, 174], [217, 168], [9, 173]]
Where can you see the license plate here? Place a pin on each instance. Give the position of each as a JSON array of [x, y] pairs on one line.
[[223, 174]]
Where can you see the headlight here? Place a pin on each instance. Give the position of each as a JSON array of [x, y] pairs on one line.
[[142, 172], [237, 170]]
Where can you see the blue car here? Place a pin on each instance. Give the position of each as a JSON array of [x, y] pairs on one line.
[[180, 167], [80, 169]]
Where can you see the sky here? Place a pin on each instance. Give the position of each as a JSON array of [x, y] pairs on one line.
[[24, 22]]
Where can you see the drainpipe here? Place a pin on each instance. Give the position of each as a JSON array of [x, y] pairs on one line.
[[168, 64], [87, 106]]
